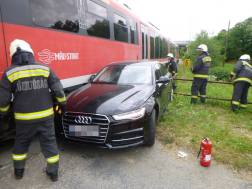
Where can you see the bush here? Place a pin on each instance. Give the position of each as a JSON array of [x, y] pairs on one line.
[[186, 56], [219, 72]]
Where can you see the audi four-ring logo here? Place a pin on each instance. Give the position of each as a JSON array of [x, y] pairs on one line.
[[83, 119]]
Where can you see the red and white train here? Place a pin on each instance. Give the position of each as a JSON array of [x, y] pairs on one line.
[[77, 38]]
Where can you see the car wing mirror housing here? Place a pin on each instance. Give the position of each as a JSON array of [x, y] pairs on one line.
[[164, 79], [91, 78]]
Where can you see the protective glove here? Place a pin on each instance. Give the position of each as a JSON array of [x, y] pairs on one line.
[[63, 109]]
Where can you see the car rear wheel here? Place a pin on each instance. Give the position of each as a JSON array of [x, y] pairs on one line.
[[151, 132]]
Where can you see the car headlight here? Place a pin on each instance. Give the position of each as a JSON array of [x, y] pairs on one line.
[[136, 114]]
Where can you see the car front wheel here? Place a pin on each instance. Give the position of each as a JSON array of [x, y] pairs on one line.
[[151, 132]]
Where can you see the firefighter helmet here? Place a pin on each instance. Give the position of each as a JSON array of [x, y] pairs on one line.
[[18, 45], [170, 55], [245, 57], [202, 47]]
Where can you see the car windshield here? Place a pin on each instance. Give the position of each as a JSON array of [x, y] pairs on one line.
[[125, 75]]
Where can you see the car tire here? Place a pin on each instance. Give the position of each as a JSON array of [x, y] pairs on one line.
[[151, 132]]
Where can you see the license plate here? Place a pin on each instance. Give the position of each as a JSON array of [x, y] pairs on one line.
[[84, 130]]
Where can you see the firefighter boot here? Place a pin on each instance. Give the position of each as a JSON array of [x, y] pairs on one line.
[[53, 175], [19, 173]]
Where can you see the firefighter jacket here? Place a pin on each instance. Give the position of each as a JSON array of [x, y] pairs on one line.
[[27, 83], [172, 67], [242, 71], [202, 66]]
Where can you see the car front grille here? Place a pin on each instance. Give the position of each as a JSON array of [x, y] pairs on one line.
[[100, 120]]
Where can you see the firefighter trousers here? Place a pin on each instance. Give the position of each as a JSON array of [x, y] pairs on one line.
[[240, 95], [198, 85], [24, 135]]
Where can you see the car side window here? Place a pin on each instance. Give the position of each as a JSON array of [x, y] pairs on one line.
[[162, 70], [158, 73]]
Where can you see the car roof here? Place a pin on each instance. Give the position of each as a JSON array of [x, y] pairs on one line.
[[135, 62]]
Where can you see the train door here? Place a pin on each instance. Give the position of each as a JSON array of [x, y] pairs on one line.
[[3, 58], [144, 33]]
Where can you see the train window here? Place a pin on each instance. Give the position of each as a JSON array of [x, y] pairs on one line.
[[54, 14], [152, 45], [97, 9], [166, 47], [120, 20], [137, 35], [161, 48], [132, 31], [164, 52], [97, 26], [156, 46], [146, 38], [172, 48], [144, 32], [121, 32]]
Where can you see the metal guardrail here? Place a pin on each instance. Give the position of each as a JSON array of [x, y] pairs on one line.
[[230, 83]]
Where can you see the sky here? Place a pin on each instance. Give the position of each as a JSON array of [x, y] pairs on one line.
[[182, 19]]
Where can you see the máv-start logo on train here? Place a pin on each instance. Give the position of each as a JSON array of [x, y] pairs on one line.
[[46, 56]]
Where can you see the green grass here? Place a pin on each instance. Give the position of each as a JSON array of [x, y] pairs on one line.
[[184, 124]]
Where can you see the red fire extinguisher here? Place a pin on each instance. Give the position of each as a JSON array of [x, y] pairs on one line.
[[205, 149]]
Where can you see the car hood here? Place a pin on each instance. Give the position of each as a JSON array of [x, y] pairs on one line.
[[107, 99]]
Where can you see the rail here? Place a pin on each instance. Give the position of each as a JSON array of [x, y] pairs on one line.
[[224, 99]]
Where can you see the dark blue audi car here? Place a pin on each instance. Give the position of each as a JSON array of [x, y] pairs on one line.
[[119, 107]]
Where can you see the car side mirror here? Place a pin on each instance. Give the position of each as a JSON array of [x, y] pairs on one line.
[[163, 79], [91, 78]]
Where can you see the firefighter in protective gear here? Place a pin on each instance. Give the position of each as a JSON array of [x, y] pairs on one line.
[[27, 83], [243, 76], [172, 68], [200, 72]]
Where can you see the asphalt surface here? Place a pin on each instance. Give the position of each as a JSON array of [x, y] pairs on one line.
[[138, 167]]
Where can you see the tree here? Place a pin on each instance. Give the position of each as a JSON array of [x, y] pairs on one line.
[[240, 40], [222, 38], [214, 48]]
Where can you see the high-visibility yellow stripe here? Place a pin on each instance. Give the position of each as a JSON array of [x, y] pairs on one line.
[[19, 157], [245, 63], [199, 75], [53, 159], [204, 96], [34, 115], [63, 99], [235, 102], [232, 73], [5, 109], [28, 73], [244, 105], [194, 96], [243, 79], [207, 60]]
